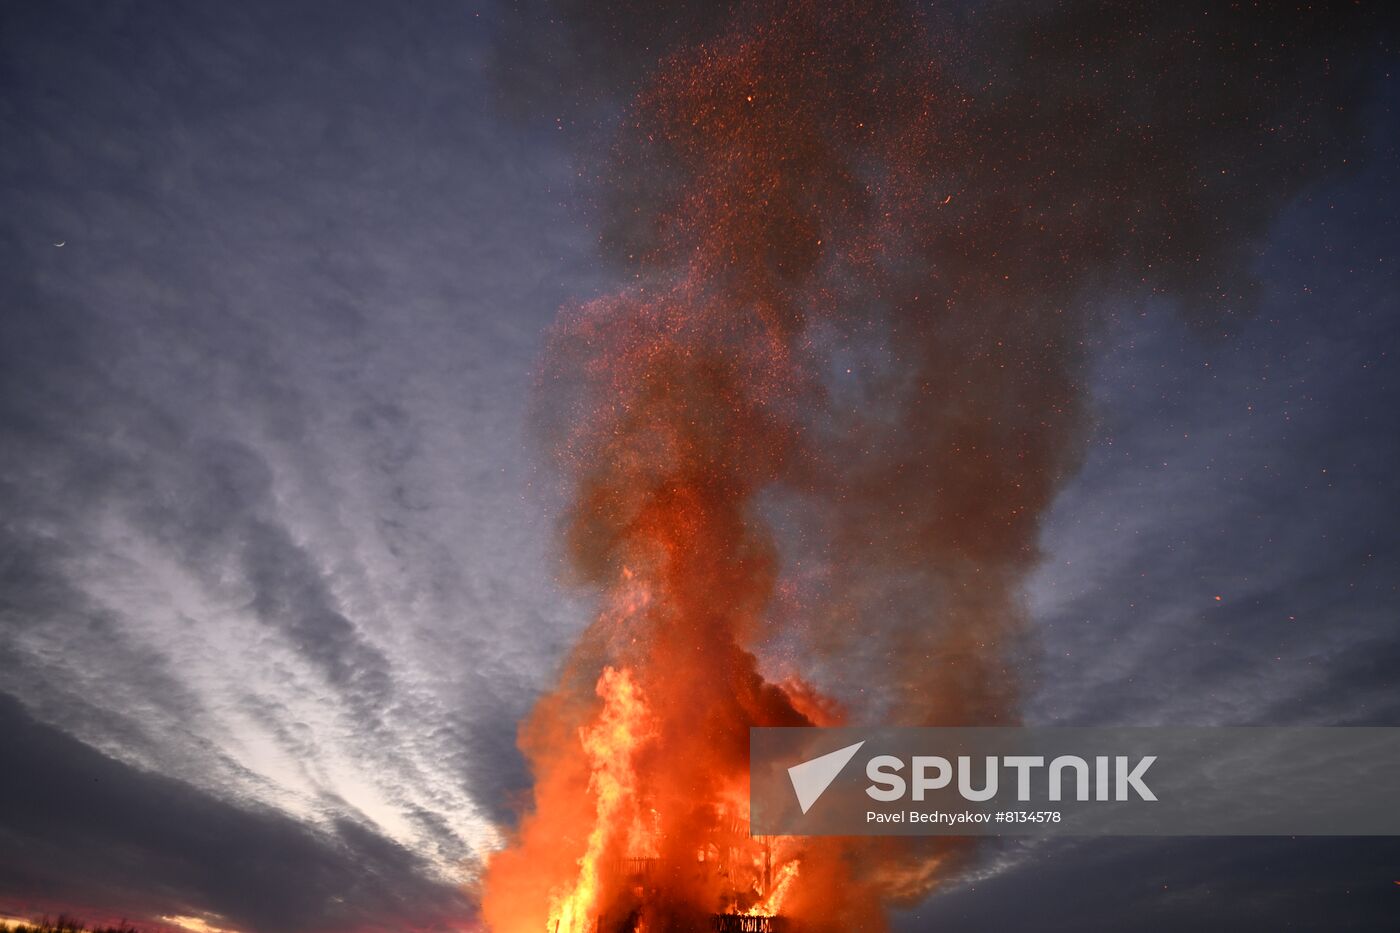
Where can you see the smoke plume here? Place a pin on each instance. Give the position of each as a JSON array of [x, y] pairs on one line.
[[864, 249]]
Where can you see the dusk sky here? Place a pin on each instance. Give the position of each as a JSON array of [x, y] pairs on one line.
[[280, 571]]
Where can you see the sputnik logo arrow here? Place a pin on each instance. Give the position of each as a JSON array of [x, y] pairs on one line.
[[811, 778]]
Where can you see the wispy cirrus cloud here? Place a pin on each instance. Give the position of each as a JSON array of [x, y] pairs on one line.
[[268, 531]]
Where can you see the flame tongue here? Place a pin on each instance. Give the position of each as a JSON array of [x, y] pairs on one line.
[[610, 745]]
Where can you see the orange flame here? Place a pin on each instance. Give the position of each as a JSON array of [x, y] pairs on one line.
[[609, 745]]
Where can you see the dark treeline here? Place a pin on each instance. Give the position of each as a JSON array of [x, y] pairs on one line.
[[64, 925]]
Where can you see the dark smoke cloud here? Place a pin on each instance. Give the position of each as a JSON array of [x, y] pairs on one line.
[[1095, 156], [1022, 170], [556, 57]]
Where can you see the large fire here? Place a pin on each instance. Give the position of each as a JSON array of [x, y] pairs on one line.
[[689, 393], [805, 187]]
